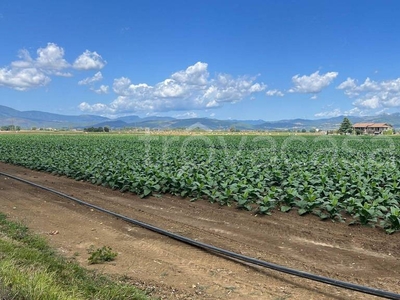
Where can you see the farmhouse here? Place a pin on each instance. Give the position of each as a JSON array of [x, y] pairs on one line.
[[371, 128]]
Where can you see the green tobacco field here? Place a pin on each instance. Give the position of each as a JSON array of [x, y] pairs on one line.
[[343, 178]]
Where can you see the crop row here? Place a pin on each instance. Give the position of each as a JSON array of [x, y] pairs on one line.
[[335, 178]]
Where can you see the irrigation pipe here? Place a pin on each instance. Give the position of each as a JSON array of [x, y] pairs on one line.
[[243, 258]]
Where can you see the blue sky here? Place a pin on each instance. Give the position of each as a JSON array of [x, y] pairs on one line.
[[253, 59]]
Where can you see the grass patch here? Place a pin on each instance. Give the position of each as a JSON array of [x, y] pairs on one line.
[[30, 269]]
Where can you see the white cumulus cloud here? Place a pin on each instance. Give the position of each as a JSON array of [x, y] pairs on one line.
[[89, 80], [348, 85], [28, 72], [103, 89], [51, 58], [188, 89], [313, 83], [23, 79], [89, 61], [273, 93], [196, 74], [355, 111], [372, 94], [123, 87]]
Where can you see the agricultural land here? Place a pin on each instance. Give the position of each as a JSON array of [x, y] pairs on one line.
[[321, 204]]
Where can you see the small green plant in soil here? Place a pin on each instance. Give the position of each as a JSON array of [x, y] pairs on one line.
[[101, 255]]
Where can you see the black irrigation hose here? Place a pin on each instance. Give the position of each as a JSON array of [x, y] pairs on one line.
[[247, 259]]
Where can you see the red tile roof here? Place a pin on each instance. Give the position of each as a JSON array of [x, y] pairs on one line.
[[363, 125], [371, 125]]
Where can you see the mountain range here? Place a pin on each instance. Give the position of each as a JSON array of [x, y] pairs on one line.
[[39, 119]]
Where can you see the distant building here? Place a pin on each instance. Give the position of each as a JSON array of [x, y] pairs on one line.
[[371, 128]]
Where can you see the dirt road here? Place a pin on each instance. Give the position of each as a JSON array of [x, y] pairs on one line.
[[172, 270]]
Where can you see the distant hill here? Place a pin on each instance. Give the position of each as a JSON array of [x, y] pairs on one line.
[[112, 124], [29, 119]]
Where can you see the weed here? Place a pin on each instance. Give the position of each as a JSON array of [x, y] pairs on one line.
[[101, 255]]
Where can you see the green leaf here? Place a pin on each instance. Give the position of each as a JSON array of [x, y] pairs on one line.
[[146, 192], [302, 211]]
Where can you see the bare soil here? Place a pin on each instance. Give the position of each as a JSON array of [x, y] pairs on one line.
[[169, 269]]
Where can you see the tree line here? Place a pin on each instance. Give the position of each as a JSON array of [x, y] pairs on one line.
[[96, 129], [10, 128]]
